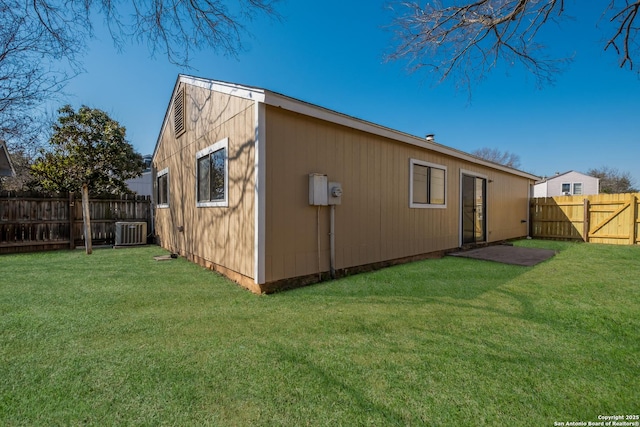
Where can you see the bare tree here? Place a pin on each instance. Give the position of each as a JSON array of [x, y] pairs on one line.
[[612, 181], [464, 40], [28, 77], [505, 158], [623, 14], [42, 43], [175, 27]]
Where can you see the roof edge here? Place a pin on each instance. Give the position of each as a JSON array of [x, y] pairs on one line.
[[241, 91], [4, 153], [292, 104], [559, 175], [302, 107], [246, 92]]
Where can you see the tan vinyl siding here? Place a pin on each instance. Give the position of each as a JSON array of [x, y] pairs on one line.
[[507, 203], [374, 222], [508, 208], [222, 236]]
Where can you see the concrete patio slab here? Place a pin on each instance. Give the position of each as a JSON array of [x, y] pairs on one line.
[[508, 254]]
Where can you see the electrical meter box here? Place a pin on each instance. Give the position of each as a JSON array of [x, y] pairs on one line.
[[335, 193], [318, 195]]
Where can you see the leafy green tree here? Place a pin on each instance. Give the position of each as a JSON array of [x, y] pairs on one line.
[[88, 152], [87, 147]]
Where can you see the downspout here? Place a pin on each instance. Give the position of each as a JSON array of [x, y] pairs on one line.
[[335, 198], [332, 242], [529, 197], [318, 238]]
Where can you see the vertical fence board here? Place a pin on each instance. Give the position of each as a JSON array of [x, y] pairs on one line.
[[633, 212], [637, 221], [601, 218], [31, 222]]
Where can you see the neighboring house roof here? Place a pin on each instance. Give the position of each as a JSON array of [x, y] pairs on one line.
[[291, 104], [6, 168], [549, 178]]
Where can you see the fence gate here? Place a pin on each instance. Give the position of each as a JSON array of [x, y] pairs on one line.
[[602, 218], [612, 218]]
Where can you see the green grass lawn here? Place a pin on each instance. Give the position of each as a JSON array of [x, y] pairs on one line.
[[117, 338]]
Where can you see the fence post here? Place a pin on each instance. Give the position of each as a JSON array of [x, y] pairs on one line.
[[531, 216], [86, 219], [634, 211], [585, 224], [72, 220]]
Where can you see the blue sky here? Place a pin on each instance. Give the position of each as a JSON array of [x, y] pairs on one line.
[[331, 54]]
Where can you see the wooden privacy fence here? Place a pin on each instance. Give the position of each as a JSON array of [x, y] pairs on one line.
[[601, 218], [31, 222]]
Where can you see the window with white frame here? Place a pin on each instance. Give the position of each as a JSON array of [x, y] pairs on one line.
[[577, 188], [427, 185], [212, 177], [162, 187], [566, 187]]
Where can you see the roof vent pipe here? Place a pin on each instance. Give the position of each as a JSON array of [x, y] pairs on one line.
[[430, 137]]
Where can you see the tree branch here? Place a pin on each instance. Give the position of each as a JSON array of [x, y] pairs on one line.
[[625, 32], [464, 40]]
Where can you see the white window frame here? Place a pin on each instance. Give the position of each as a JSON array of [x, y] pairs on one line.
[[413, 162], [222, 144], [160, 174], [573, 189], [562, 188]]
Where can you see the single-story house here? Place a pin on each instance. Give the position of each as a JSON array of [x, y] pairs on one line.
[[6, 168], [274, 192], [570, 183]]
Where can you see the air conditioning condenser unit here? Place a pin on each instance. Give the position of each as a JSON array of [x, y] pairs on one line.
[[131, 233]]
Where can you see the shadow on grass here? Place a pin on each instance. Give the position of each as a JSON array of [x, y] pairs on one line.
[[450, 285], [456, 278], [451, 277]]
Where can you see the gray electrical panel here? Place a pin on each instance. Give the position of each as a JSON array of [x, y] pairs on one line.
[[318, 195]]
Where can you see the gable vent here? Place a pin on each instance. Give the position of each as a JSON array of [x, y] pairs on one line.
[[178, 113]]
